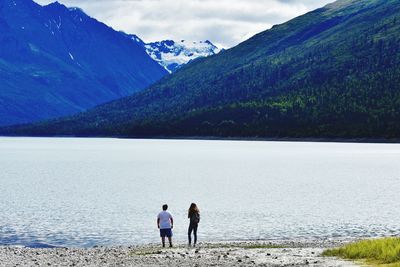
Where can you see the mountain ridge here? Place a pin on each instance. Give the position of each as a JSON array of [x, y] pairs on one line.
[[173, 55], [332, 73], [56, 61]]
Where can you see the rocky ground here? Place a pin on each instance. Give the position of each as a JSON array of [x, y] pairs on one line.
[[210, 254]]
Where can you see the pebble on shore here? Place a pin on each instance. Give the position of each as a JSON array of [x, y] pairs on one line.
[[210, 254]]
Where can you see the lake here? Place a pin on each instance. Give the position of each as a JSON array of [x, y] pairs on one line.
[[86, 192]]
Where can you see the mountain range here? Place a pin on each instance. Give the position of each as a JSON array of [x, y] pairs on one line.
[[173, 55], [56, 61], [333, 72]]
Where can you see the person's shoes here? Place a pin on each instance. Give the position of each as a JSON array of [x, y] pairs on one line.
[[170, 245], [163, 245]]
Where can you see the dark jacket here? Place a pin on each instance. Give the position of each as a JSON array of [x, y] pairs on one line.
[[194, 218]]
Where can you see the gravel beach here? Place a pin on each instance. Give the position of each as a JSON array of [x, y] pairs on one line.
[[206, 254]]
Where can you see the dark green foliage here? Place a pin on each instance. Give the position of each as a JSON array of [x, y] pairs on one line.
[[334, 72]]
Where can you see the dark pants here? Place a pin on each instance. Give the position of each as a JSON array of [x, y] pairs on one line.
[[192, 227]]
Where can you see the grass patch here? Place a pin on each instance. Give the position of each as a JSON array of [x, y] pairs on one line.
[[382, 252]]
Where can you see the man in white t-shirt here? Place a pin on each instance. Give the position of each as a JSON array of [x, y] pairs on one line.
[[165, 223]]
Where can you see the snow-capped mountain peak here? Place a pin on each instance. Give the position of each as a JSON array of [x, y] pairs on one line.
[[172, 55]]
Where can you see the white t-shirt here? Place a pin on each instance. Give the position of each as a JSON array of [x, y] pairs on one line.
[[165, 219]]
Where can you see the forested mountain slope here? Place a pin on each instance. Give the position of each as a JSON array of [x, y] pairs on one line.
[[334, 72]]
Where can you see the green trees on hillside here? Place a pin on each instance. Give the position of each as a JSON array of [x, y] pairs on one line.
[[334, 72]]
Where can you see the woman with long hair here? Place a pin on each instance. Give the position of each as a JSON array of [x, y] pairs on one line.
[[194, 217]]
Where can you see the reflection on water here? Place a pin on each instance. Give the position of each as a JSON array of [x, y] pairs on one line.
[[86, 192]]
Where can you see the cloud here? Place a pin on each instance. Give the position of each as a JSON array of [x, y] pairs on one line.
[[224, 22]]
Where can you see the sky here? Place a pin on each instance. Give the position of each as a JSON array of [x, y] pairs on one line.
[[226, 23]]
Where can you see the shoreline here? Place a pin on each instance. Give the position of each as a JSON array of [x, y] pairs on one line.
[[249, 253], [360, 140]]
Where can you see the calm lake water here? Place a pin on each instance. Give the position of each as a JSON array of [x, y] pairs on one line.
[[86, 192]]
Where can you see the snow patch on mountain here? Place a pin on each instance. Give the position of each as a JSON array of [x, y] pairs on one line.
[[172, 55], [136, 39]]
